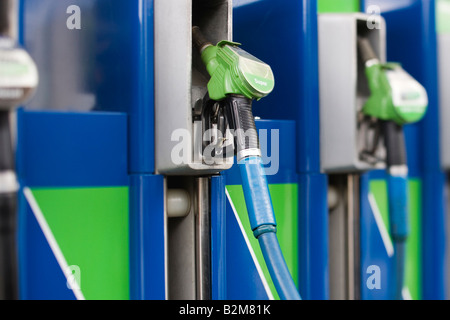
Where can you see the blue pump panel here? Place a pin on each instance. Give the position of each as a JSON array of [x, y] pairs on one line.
[[95, 62], [376, 250], [88, 151], [218, 238], [72, 149], [40, 275], [147, 238], [54, 153]]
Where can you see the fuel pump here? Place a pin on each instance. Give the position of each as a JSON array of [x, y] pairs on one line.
[[396, 99], [18, 79], [238, 78]]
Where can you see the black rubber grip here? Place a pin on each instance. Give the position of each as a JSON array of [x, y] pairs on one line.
[[244, 123], [5, 19], [6, 149], [8, 216], [394, 140], [8, 247], [366, 50], [199, 39]]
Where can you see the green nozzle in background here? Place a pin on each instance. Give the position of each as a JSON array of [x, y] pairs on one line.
[[395, 95]]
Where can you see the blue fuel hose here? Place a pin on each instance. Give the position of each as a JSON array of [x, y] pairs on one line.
[[397, 170], [264, 227], [399, 225], [278, 269], [398, 207]]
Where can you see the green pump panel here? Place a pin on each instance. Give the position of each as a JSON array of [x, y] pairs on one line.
[[330, 6]]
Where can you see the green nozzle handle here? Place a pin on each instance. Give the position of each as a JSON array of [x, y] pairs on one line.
[[366, 50], [199, 40]]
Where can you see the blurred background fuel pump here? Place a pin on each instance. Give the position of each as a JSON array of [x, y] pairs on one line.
[[18, 80], [395, 99], [362, 131]]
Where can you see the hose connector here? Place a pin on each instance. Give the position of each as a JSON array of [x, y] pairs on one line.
[[257, 196], [266, 228]]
